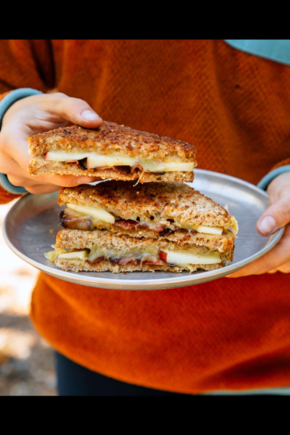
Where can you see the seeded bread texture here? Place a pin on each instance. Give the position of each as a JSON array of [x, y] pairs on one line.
[[161, 201], [111, 138], [106, 266], [221, 243]]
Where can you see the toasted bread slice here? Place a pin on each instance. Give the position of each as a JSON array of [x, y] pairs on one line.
[[107, 266], [83, 250], [111, 151], [152, 208]]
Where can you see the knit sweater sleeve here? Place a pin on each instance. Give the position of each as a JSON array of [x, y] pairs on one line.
[[24, 64], [278, 169]]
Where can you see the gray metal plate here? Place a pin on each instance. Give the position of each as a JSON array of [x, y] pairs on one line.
[[31, 226]]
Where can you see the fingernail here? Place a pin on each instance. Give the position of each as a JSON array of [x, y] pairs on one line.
[[268, 225], [89, 115]]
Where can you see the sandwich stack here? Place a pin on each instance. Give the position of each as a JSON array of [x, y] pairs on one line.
[[145, 218]]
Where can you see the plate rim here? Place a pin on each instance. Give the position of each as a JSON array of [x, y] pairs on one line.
[[162, 283]]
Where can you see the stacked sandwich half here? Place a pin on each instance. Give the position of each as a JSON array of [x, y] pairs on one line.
[[153, 223]]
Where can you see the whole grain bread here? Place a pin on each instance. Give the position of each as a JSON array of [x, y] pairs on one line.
[[76, 240], [169, 204], [107, 266], [221, 243], [109, 138]]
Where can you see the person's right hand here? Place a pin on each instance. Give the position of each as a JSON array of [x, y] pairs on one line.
[[37, 114]]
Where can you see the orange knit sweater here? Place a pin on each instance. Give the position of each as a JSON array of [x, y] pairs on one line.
[[235, 108]]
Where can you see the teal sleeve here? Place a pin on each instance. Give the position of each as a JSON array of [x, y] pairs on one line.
[[277, 50], [264, 183], [7, 102]]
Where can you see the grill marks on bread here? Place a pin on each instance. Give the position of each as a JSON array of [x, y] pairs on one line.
[[159, 203], [111, 138]]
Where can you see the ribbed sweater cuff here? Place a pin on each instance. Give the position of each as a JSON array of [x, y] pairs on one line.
[[264, 183], [5, 103]]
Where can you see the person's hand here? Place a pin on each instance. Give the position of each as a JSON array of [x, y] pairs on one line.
[[275, 217], [37, 114]]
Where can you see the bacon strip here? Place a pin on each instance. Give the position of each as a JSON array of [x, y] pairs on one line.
[[163, 256], [137, 166], [154, 263], [127, 224], [97, 260], [122, 169], [134, 261], [158, 228], [84, 224]]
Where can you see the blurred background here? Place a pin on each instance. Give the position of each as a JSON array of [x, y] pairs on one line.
[[26, 360]]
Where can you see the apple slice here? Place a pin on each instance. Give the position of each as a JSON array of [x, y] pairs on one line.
[[80, 255], [167, 166], [62, 156], [95, 160], [184, 258], [209, 230], [51, 256], [163, 256], [95, 212]]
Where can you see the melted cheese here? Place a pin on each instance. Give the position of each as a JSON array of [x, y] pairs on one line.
[[208, 230], [62, 156], [95, 160], [51, 256], [202, 228], [234, 225], [167, 166]]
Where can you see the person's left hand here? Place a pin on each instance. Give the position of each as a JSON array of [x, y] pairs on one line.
[[275, 217]]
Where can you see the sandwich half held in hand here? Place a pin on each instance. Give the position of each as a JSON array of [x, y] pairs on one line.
[[158, 226], [111, 151]]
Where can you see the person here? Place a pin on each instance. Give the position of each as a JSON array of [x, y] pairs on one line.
[[229, 335]]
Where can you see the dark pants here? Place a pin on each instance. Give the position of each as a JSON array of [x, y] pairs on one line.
[[76, 380]]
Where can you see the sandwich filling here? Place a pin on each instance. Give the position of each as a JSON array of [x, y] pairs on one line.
[[87, 218], [151, 256], [119, 162]]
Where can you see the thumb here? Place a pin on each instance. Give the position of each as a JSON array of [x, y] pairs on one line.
[[275, 217], [74, 110]]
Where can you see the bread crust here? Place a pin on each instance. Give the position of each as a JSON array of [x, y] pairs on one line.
[[106, 266], [221, 243], [162, 201], [111, 137]]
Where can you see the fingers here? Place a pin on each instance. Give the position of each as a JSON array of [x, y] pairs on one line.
[[278, 214], [74, 110], [63, 180], [275, 217], [42, 188], [275, 259], [57, 181], [285, 268]]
